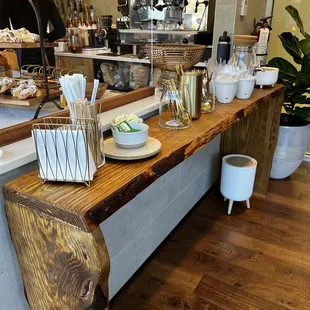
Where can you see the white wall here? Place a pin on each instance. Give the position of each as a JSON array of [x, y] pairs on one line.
[[282, 22], [256, 9]]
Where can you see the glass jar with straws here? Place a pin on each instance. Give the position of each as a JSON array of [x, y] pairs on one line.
[[174, 107]]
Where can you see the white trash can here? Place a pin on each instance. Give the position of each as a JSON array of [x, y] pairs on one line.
[[237, 180]]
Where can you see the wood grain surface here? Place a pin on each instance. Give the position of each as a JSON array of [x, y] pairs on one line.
[[9, 99], [13, 45], [253, 259], [22, 131], [83, 65], [256, 136], [63, 268], [118, 182]]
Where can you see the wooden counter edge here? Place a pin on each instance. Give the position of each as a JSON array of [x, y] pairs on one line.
[[100, 212], [62, 267]]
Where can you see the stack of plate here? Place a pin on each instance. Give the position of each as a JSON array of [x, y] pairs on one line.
[[131, 145]]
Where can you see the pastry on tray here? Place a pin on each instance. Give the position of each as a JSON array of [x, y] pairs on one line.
[[16, 91], [21, 85], [29, 92], [6, 84], [18, 36]]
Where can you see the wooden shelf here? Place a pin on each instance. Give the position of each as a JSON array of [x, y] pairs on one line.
[[26, 45], [9, 99], [118, 182]]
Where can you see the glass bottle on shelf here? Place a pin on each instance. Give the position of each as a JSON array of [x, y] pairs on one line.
[[70, 15], [92, 14], [76, 41], [81, 20], [174, 108], [87, 16], [75, 21]]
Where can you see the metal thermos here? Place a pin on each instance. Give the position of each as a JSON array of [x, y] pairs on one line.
[[223, 48], [92, 38], [194, 81]]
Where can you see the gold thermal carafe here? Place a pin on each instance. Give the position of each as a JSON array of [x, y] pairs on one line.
[[194, 81]]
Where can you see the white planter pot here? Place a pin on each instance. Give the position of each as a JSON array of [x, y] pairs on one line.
[[290, 151], [245, 88], [225, 91]]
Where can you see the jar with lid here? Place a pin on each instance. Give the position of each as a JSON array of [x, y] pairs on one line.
[[245, 58]]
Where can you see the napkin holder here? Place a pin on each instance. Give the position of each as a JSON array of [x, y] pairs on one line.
[[68, 150]]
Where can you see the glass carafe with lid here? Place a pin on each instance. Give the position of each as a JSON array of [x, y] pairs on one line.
[[244, 58]]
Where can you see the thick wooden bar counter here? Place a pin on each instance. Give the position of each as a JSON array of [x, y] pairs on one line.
[[54, 227]]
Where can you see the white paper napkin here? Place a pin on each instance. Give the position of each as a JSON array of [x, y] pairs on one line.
[[63, 156]]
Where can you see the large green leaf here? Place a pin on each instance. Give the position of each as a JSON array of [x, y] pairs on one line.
[[291, 45], [303, 113], [305, 46], [301, 99], [295, 14], [287, 72], [304, 74]]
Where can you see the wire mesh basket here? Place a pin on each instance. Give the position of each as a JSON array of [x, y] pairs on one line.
[[68, 150], [166, 56]]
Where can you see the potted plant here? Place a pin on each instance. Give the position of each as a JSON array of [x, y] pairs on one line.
[[294, 126]]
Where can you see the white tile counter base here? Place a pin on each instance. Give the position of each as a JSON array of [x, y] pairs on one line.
[[11, 285], [133, 232], [136, 230]]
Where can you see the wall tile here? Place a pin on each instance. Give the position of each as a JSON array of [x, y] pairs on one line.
[[126, 263], [11, 287], [125, 224], [226, 2], [211, 175], [225, 16], [197, 163]]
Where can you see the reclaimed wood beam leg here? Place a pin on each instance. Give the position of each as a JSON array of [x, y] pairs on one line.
[[256, 136], [63, 268]]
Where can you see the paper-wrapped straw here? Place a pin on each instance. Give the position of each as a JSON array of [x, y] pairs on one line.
[[74, 88], [94, 94]]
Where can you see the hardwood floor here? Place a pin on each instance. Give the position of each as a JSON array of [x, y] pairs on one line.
[[254, 259]]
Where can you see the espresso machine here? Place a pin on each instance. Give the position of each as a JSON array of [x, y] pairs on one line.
[[145, 14]]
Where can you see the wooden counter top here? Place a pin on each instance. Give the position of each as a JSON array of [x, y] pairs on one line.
[[119, 182]]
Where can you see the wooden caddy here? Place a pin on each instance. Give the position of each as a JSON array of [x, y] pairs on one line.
[[55, 227]]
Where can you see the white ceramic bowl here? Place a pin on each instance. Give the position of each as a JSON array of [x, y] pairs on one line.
[[131, 140], [269, 77], [113, 122], [225, 91], [245, 88]]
